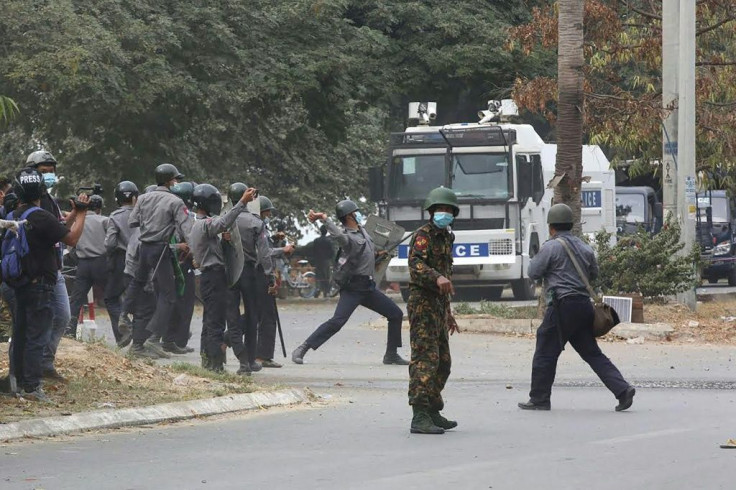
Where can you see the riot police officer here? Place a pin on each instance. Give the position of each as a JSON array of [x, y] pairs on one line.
[[357, 265], [116, 243], [209, 258], [92, 264], [159, 214], [569, 314]]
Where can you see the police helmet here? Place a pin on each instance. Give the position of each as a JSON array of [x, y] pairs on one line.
[[95, 202], [28, 185], [345, 207], [559, 214], [207, 198], [236, 191], [10, 202], [266, 204], [166, 172], [442, 196], [40, 157], [185, 191], [125, 191]]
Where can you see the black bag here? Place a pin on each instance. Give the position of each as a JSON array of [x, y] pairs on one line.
[[604, 316]]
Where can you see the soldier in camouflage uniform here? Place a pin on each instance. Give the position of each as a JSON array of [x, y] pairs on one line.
[[430, 316]]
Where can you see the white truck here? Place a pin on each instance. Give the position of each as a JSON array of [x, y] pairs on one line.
[[499, 172]]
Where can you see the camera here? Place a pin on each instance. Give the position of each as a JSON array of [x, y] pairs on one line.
[[95, 190]]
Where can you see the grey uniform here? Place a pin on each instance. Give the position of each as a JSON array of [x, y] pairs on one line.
[[157, 213], [256, 246], [554, 266], [118, 229], [92, 242], [352, 242], [204, 241]]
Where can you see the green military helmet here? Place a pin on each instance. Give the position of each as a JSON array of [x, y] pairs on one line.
[[236, 191], [266, 204], [184, 191], [166, 172], [559, 214], [442, 196], [345, 207]]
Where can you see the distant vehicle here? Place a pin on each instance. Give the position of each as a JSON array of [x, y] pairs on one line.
[[715, 234], [637, 207]]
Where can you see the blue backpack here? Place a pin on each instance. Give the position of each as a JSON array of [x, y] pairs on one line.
[[14, 248]]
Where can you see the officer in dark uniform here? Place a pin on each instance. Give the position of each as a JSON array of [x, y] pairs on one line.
[[116, 243], [358, 263], [430, 315], [44, 162], [206, 247], [569, 315], [34, 293], [92, 265], [177, 335], [159, 214], [323, 252]]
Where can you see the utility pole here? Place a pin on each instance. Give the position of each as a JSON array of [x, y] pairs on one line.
[[670, 61], [686, 183]]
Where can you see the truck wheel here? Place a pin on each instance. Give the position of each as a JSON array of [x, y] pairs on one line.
[[404, 294], [523, 289]]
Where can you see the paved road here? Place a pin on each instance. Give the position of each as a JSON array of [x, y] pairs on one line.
[[358, 437]]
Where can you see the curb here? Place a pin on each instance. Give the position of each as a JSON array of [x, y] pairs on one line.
[[487, 324], [165, 412]]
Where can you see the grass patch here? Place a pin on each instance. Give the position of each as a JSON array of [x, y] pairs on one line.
[[245, 382], [496, 310]]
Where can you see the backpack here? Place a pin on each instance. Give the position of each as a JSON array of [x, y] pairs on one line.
[[14, 248]]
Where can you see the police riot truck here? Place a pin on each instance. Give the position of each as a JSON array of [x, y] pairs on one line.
[[496, 169]]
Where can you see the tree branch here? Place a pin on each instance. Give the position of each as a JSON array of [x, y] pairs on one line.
[[720, 104], [715, 26], [715, 63], [641, 12]]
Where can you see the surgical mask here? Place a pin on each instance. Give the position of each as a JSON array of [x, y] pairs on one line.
[[266, 220], [50, 180], [443, 220], [358, 217]]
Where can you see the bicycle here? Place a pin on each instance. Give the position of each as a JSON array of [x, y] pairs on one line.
[[301, 280]]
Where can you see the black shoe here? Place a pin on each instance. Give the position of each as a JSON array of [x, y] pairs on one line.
[[269, 363], [395, 358], [297, 356], [625, 400], [530, 405], [440, 421], [125, 339], [173, 348], [188, 349], [244, 370], [421, 423], [255, 366], [53, 375]]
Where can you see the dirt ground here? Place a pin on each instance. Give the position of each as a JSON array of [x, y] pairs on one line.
[[98, 377], [712, 322]]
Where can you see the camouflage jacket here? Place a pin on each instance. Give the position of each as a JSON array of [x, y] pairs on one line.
[[430, 256]]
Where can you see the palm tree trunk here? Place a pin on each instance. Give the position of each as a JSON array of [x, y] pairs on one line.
[[570, 60]]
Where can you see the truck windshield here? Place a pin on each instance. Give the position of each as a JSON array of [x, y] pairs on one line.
[[631, 207], [483, 175], [719, 208], [412, 177]]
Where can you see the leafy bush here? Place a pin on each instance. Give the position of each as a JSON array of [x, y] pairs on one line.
[[645, 263]]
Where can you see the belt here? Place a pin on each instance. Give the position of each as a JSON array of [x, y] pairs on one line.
[[362, 278], [43, 281], [211, 268]]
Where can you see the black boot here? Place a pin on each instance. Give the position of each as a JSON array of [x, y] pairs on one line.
[[393, 357], [530, 405], [440, 421], [244, 369], [626, 399], [421, 422], [298, 355]]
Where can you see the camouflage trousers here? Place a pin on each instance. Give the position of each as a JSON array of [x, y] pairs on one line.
[[430, 350]]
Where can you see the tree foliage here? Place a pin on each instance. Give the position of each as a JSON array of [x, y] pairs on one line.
[[623, 94], [296, 97]]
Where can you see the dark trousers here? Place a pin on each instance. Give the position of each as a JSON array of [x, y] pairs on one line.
[[243, 329], [90, 272], [363, 293], [31, 333], [143, 310], [575, 317], [266, 318], [117, 283], [130, 296], [213, 286], [323, 274], [181, 317], [156, 258]]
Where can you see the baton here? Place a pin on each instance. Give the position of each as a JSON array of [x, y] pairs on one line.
[[278, 326]]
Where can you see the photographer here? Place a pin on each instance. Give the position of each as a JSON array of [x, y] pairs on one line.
[[35, 289]]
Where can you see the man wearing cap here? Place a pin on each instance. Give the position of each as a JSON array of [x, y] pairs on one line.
[[569, 314], [159, 214], [356, 266]]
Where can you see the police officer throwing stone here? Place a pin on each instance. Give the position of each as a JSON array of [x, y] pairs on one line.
[[430, 317], [569, 315], [209, 257], [34, 290], [158, 213], [358, 263]]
